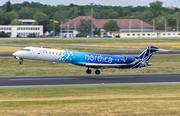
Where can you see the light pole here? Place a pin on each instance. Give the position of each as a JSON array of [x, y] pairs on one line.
[[153, 26], [53, 28], [61, 28], [68, 30], [130, 26], [165, 25], [91, 19], [177, 26]]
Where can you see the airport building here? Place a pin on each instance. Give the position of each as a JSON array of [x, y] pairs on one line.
[[129, 28], [126, 25], [22, 30]]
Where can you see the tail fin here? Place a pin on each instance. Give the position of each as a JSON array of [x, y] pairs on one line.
[[148, 53]]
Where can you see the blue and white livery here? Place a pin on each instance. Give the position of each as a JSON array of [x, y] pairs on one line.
[[89, 60]]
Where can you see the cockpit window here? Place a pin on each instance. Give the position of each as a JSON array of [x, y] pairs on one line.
[[25, 49]]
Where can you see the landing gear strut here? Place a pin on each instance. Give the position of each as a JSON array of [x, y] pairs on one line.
[[88, 71], [21, 61]]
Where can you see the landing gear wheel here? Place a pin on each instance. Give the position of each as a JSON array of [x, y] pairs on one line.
[[97, 72], [88, 71], [20, 62]]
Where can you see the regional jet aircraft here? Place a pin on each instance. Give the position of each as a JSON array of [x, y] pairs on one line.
[[89, 60]]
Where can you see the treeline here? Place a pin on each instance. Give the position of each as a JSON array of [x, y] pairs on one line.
[[44, 14]]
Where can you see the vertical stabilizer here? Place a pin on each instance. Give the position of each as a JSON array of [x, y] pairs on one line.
[[148, 53]]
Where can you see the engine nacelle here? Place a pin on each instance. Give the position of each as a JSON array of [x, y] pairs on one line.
[[128, 59]]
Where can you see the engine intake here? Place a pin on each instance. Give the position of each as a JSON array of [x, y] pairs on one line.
[[128, 59]]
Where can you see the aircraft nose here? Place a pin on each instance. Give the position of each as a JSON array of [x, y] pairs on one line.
[[15, 54]]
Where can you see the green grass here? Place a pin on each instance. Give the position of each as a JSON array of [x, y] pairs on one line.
[[78, 101], [86, 91]]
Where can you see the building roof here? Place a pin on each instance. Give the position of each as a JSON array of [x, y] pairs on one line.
[[27, 20], [122, 23]]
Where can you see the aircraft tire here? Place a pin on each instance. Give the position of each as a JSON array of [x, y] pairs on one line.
[[97, 72], [88, 71], [20, 62]]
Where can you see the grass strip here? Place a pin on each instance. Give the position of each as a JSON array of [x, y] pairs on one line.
[[104, 101]]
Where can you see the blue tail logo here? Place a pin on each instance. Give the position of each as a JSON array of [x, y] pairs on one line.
[[147, 54], [145, 57]]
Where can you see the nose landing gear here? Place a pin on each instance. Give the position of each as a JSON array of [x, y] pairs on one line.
[[21, 61]]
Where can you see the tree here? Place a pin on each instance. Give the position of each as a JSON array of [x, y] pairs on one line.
[[27, 13], [85, 26], [81, 11], [38, 16], [73, 13], [49, 27], [98, 32], [16, 22], [8, 6], [44, 23], [160, 22], [3, 34], [9, 16], [156, 8], [147, 16], [7, 22], [120, 12], [32, 35], [171, 20], [111, 26], [105, 13], [113, 15], [60, 16], [95, 31]]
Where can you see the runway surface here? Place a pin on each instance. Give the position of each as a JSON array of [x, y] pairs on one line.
[[89, 80]]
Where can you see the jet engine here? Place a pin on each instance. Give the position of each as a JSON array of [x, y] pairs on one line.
[[128, 59]]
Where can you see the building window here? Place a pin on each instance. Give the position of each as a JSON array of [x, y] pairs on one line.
[[138, 34], [128, 34], [178, 33], [174, 34], [169, 34], [133, 34], [149, 34], [164, 34], [143, 34]]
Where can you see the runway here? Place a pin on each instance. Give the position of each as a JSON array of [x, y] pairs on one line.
[[89, 80]]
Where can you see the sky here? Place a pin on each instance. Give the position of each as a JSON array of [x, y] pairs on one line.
[[175, 3]]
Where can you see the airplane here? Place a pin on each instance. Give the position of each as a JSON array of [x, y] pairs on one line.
[[89, 60]]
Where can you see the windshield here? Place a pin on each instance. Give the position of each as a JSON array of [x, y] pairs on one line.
[[25, 49]]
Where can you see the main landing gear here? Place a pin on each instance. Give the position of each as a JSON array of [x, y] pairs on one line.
[[88, 71], [21, 61]]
